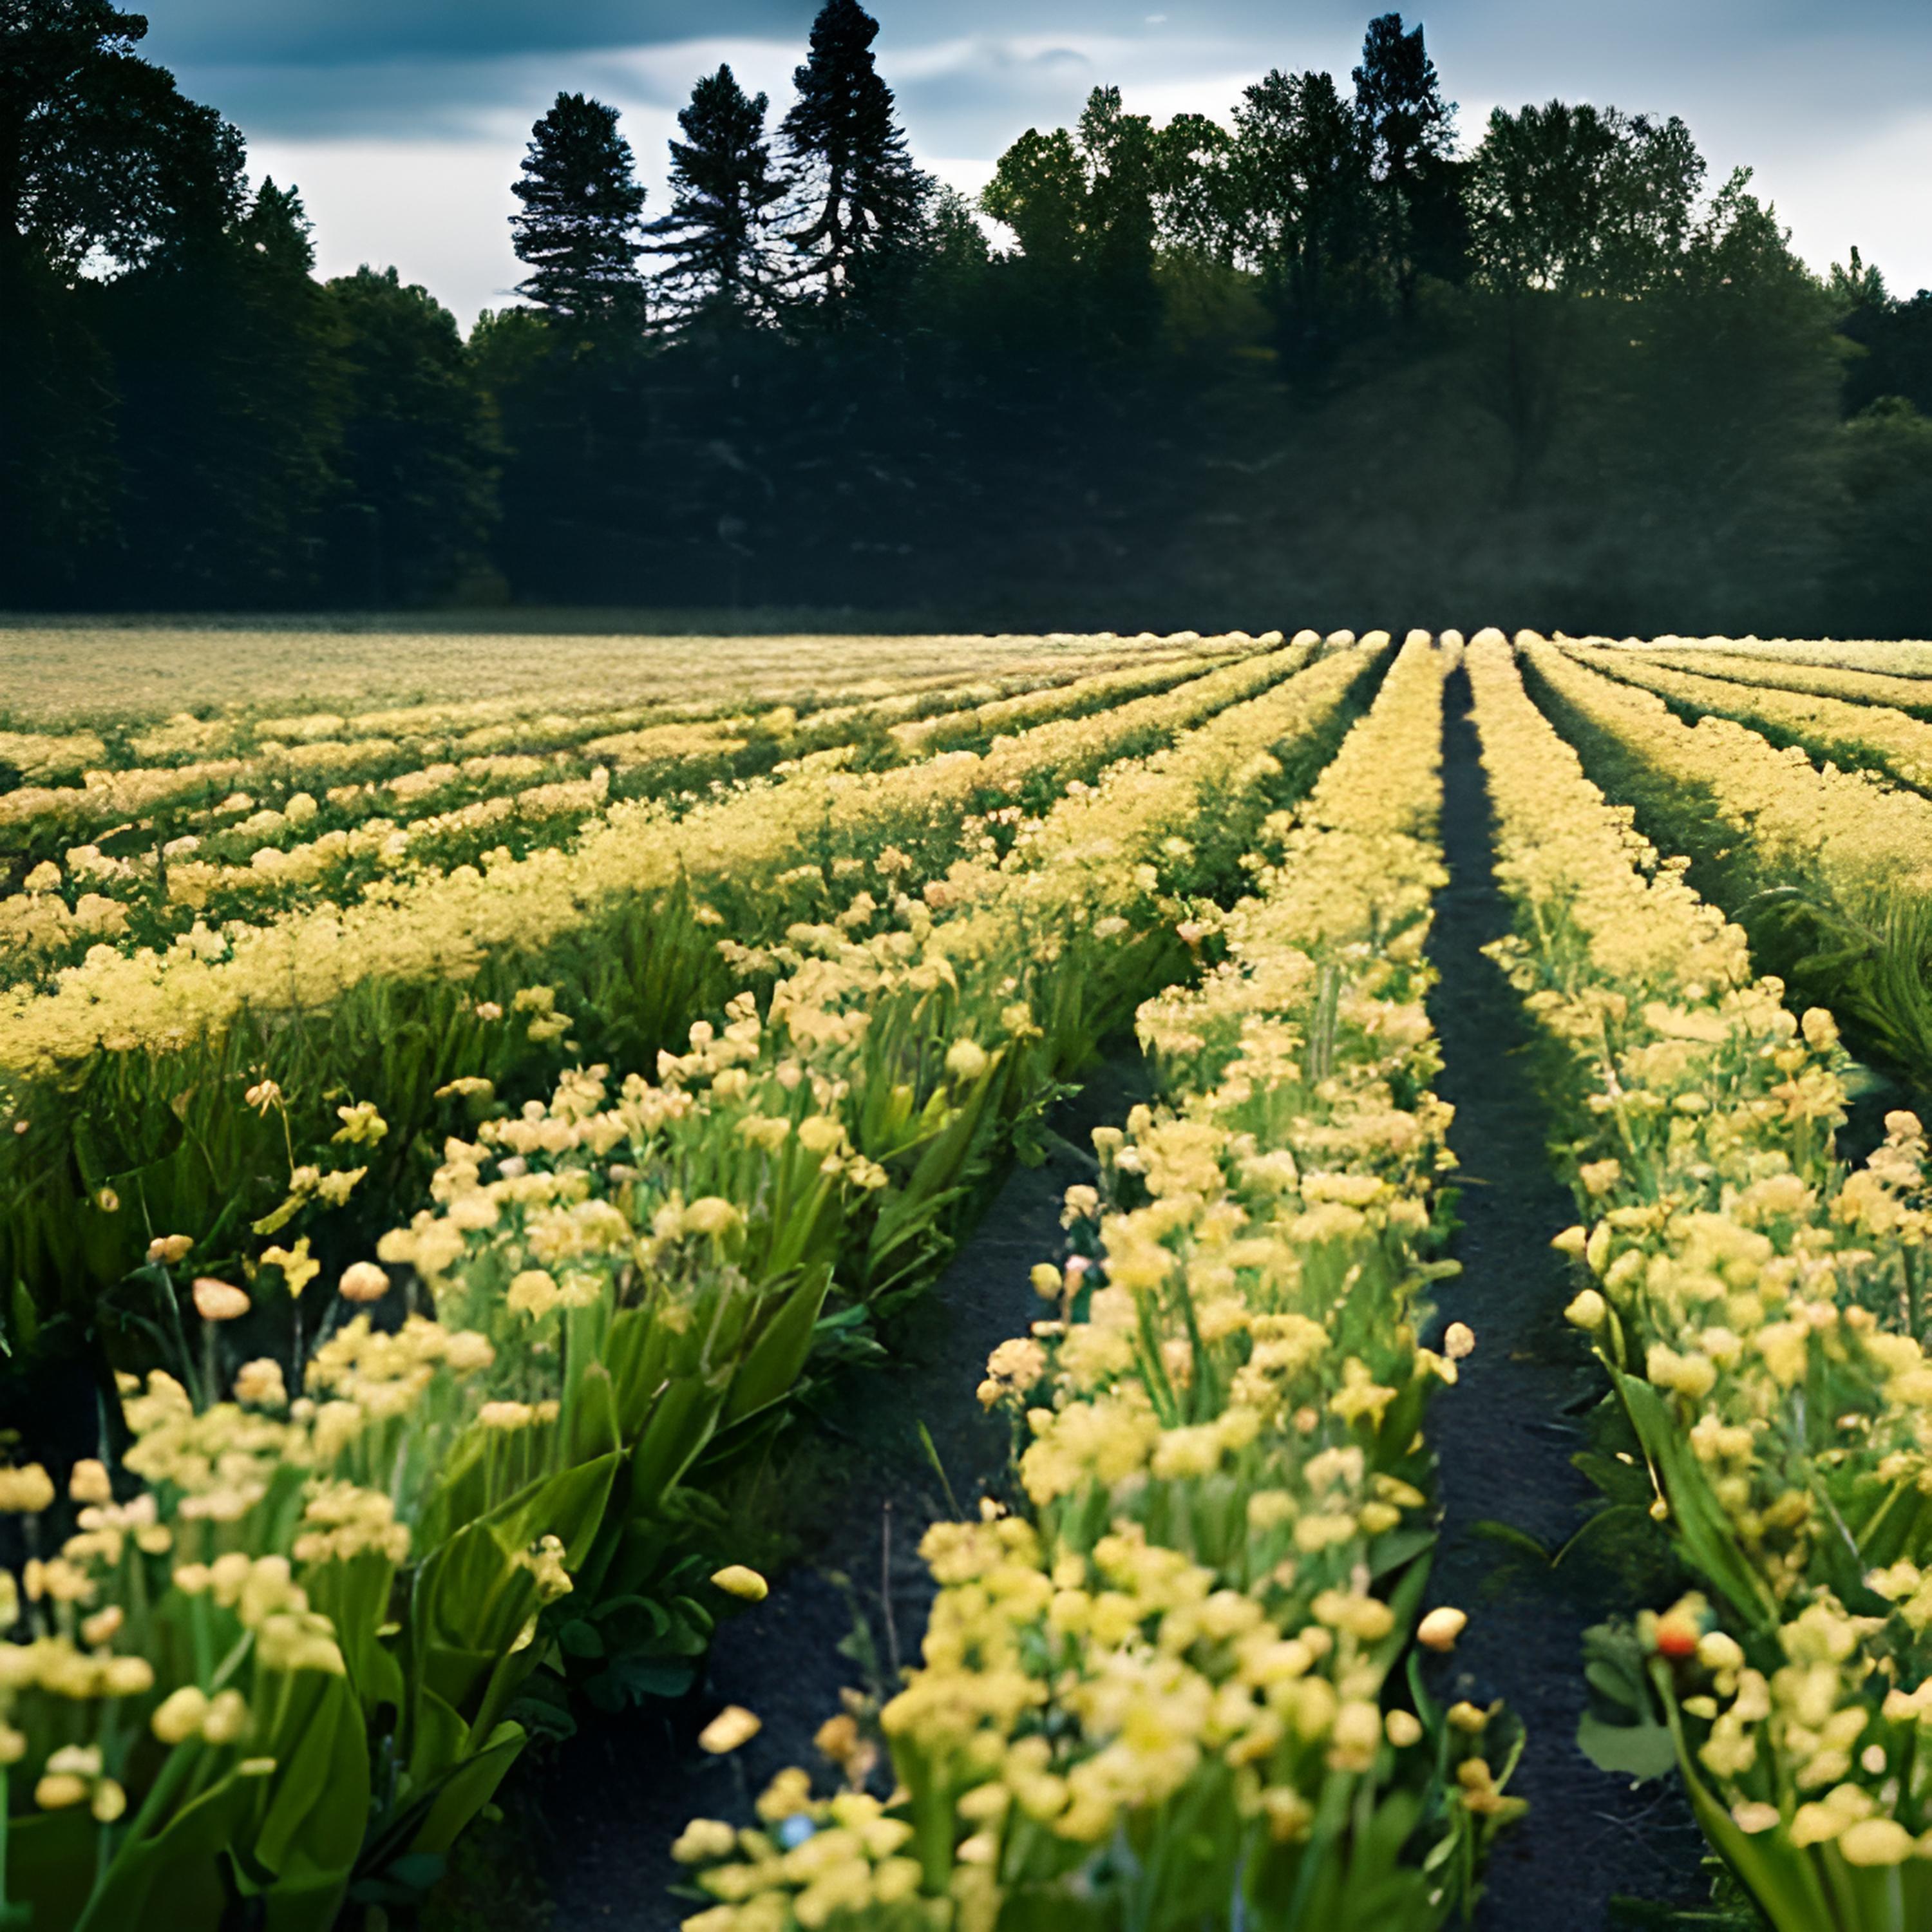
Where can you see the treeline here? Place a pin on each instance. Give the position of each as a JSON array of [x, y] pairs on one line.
[[1312, 359]]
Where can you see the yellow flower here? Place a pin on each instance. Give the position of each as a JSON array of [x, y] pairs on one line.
[[179, 1716], [734, 1726], [25, 1491], [738, 1579], [88, 1482], [1588, 1311], [703, 1841], [364, 1281], [966, 1060], [298, 1269], [218, 1301]]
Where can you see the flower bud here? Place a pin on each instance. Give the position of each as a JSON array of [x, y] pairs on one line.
[[1589, 1311], [1439, 1630], [733, 1726], [225, 1719], [364, 1281], [179, 1716], [739, 1580], [218, 1301], [169, 1249], [1820, 1028], [1717, 1650]]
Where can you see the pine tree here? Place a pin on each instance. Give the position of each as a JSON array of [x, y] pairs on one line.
[[865, 195], [578, 231], [1411, 133], [723, 185]]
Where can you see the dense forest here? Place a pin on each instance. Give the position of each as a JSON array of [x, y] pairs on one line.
[[1323, 359]]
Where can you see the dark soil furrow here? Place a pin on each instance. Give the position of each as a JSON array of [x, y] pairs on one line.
[[1506, 1434], [622, 1790]]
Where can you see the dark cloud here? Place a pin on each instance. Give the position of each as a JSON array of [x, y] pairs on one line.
[[311, 67], [1827, 102], [356, 32]]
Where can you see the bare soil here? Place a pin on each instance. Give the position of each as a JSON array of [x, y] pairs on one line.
[[1505, 1435]]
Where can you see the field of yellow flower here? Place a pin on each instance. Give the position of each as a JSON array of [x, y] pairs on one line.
[[444, 1143]]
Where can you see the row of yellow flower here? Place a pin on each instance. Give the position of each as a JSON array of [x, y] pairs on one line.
[[420, 985], [243, 859], [1863, 686], [620, 1277], [1883, 657], [1161, 1693], [443, 927], [190, 769], [1865, 736], [812, 674], [1760, 1308], [1788, 818]]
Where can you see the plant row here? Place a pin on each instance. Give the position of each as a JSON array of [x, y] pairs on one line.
[[1759, 1306], [1849, 730], [811, 674], [1880, 656], [284, 1654], [136, 1123], [1910, 694], [1162, 1689], [1830, 870], [167, 874]]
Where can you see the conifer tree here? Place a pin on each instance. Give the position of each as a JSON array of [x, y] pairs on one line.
[[578, 231], [864, 196], [1410, 130], [723, 184]]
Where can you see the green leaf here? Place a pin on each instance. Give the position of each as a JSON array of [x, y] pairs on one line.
[[771, 1367], [1508, 1535], [1637, 1751]]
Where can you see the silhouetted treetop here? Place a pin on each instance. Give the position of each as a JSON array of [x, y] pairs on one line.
[[102, 159], [862, 195], [578, 232], [717, 234]]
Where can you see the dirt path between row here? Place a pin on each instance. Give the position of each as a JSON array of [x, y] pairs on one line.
[[1506, 1434], [625, 1786]]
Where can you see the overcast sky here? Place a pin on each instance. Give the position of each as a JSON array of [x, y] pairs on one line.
[[402, 121]]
